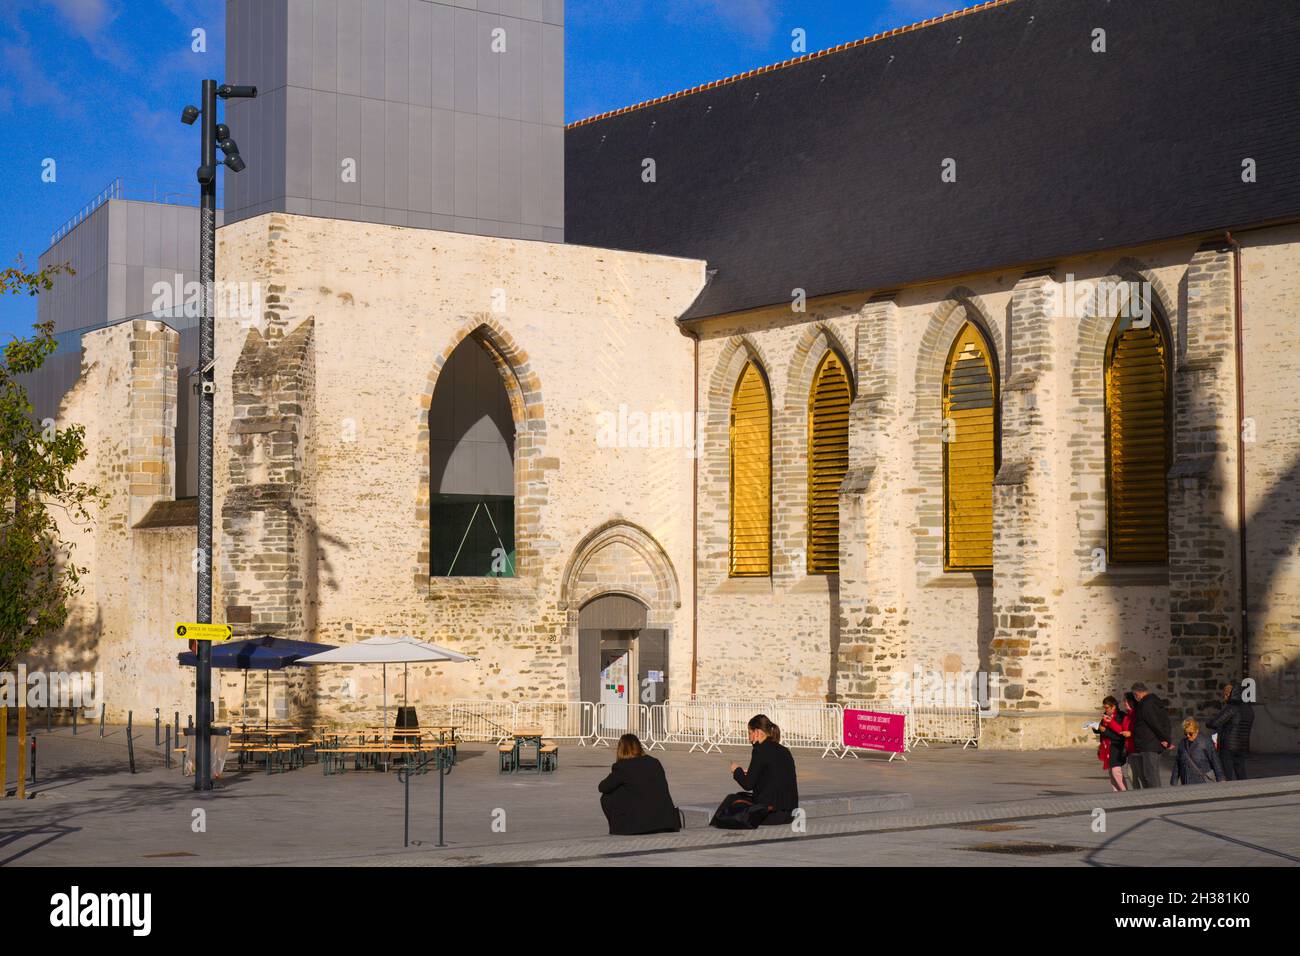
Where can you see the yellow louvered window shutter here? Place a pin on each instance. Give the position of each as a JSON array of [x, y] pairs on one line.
[[1137, 444], [751, 476], [828, 461], [969, 452]]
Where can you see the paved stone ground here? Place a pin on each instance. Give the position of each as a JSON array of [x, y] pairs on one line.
[[88, 811]]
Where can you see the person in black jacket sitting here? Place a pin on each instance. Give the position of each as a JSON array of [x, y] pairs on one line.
[[635, 795], [770, 779]]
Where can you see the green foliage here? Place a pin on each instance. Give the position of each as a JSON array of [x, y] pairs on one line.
[[38, 577]]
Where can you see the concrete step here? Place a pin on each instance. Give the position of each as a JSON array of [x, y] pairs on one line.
[[821, 805]]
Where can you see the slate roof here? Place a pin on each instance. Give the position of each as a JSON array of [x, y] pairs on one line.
[[823, 173]]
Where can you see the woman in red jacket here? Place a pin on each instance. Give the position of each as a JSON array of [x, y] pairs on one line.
[[1115, 730]]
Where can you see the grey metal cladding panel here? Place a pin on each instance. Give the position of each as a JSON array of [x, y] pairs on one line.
[[298, 142], [530, 51], [510, 176], [136, 303], [324, 137], [465, 137], [349, 147], [349, 55], [530, 9], [134, 249], [489, 6], [489, 167], [552, 161], [419, 169], [465, 60], [512, 71], [397, 51], [510, 8], [300, 43], [531, 174], [397, 130], [279, 140], [278, 69], [553, 75], [488, 64], [420, 63], [553, 11], [370, 164], [442, 161], [114, 213], [325, 45], [373, 68], [443, 60], [153, 216]]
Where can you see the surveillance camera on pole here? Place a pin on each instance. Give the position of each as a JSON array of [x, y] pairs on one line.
[[214, 135]]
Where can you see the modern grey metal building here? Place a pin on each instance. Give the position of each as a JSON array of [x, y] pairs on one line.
[[134, 251], [438, 114]]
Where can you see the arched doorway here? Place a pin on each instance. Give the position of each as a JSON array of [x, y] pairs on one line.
[[620, 596], [621, 660]]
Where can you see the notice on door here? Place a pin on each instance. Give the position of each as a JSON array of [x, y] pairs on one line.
[[869, 730]]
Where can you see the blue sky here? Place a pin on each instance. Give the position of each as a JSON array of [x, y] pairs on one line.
[[97, 85]]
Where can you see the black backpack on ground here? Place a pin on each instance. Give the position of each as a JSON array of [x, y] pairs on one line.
[[739, 812]]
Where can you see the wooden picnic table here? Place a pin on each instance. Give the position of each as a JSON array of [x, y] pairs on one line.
[[336, 756]]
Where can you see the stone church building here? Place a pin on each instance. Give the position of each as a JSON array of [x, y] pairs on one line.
[[968, 348]]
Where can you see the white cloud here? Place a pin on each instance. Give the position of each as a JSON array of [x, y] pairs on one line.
[[87, 17]]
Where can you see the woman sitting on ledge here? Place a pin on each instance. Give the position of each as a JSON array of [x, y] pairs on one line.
[[635, 795], [772, 787]]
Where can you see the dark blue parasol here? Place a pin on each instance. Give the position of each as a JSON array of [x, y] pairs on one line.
[[257, 654]]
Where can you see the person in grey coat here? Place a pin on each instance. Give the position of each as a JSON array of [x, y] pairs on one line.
[[1195, 759], [1233, 723]]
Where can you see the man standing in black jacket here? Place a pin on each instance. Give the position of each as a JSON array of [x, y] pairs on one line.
[[1150, 737], [1232, 724]]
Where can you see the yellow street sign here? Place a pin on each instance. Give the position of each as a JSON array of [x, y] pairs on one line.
[[204, 632]]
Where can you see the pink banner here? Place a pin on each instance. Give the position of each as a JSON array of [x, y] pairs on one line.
[[868, 730]]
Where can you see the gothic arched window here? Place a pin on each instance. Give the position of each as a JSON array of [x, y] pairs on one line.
[[472, 473], [970, 451], [751, 475], [828, 461], [1137, 442]]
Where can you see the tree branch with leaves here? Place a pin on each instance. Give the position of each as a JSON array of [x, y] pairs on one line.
[[38, 576]]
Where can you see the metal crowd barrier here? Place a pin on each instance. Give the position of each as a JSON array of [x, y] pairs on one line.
[[957, 725], [707, 725], [559, 719], [615, 720], [490, 721]]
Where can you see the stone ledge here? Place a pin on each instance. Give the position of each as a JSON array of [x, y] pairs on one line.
[[170, 514], [825, 805]]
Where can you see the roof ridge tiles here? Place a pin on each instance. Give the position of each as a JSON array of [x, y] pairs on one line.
[[847, 45]]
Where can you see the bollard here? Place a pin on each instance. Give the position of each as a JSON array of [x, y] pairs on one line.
[[167, 752], [47, 719], [22, 739], [130, 743], [4, 751], [176, 735], [157, 727], [33, 760], [103, 712], [74, 720]]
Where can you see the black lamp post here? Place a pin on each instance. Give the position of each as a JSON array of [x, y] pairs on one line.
[[214, 136]]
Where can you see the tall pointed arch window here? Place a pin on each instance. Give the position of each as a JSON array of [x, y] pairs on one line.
[[970, 451], [472, 469], [1137, 441], [828, 461], [751, 475]]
